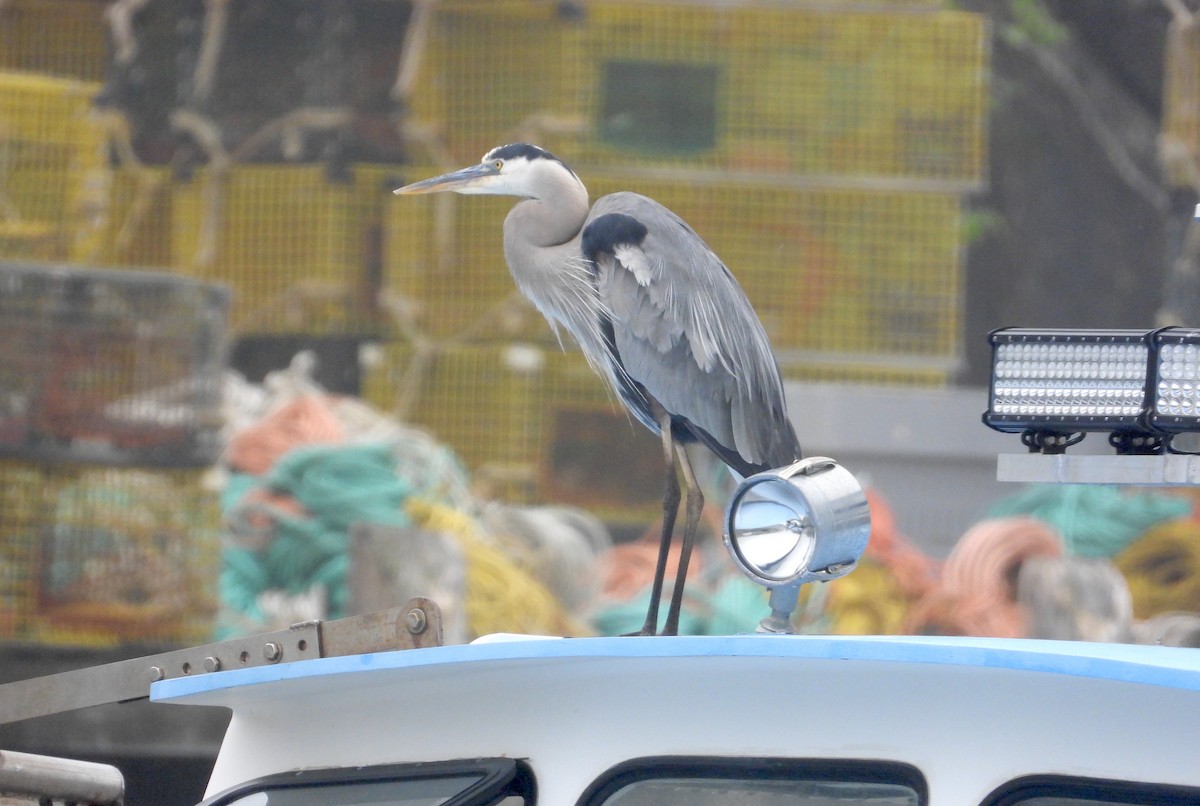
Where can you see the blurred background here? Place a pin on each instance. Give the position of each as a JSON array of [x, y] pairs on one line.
[[243, 385]]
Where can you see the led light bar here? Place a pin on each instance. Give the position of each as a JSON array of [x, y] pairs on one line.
[[1175, 380], [1062, 382]]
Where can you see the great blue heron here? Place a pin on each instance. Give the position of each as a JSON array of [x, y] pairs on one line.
[[657, 315]]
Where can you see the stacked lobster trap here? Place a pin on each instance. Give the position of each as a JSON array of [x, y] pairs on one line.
[[52, 167], [532, 422], [824, 153], [296, 247], [110, 415]]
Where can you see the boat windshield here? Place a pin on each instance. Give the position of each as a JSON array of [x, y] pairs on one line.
[[452, 783], [714, 791]]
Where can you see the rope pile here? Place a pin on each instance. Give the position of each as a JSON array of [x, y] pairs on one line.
[[627, 571], [721, 601], [1163, 569], [501, 596], [1042, 565], [717, 599], [1074, 598], [558, 545], [915, 571], [629, 568], [304, 466], [1046, 570], [307, 420], [868, 601], [977, 591], [1094, 520], [318, 492], [1006, 577], [1144, 549]]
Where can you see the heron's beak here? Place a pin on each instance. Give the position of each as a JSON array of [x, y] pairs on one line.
[[467, 180]]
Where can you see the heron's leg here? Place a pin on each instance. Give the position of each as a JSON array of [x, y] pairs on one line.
[[670, 508], [695, 505]]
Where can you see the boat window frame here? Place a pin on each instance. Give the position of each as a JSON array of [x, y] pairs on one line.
[[850, 770], [498, 777], [1119, 792]]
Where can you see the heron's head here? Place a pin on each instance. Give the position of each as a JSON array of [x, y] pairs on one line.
[[519, 169]]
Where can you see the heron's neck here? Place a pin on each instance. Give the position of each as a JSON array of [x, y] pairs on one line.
[[541, 245], [554, 218], [542, 235]]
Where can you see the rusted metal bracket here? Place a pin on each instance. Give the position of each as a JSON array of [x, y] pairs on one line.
[[414, 625]]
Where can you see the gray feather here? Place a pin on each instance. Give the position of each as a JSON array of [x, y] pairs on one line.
[[686, 331]]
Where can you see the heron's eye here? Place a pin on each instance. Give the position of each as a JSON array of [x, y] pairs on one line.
[[498, 164]]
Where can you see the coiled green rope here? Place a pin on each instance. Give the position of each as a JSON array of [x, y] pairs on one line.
[[337, 486], [1094, 520]]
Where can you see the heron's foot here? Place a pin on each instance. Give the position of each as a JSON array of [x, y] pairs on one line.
[[651, 625]]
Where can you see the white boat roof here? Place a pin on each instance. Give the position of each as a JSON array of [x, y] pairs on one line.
[[1162, 666], [970, 713]]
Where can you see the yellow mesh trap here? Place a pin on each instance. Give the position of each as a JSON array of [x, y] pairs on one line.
[[1181, 103], [891, 93], [821, 151], [136, 230], [101, 556], [53, 176], [533, 423], [865, 280], [296, 247], [821, 148]]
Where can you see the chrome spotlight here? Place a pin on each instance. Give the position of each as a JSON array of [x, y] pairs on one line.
[[808, 522]]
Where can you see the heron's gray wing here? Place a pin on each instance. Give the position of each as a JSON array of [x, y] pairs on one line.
[[683, 328]]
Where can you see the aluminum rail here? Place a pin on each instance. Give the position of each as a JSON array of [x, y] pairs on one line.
[[413, 625], [1165, 470]]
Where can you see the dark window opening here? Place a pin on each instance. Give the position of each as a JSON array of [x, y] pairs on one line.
[[1053, 790], [768, 782], [659, 108], [479, 782]]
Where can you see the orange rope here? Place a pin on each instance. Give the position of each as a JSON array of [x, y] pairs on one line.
[[915, 572], [307, 420], [628, 569], [250, 523], [977, 591]]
